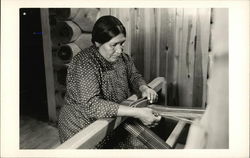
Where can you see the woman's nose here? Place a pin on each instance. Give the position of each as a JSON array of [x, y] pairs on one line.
[[119, 49]]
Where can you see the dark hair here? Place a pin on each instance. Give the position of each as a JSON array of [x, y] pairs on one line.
[[105, 28]]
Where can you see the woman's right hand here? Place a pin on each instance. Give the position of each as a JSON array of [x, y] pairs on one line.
[[148, 116]]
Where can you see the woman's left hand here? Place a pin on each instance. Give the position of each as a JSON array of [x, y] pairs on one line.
[[149, 93]]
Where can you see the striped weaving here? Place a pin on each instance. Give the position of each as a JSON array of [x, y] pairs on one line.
[[145, 135]]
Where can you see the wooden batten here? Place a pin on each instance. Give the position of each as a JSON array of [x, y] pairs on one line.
[[85, 18], [95, 132], [67, 31]]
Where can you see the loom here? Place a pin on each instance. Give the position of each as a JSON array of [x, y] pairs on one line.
[[172, 128]]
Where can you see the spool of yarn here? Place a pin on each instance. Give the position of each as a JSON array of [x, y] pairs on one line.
[[67, 31], [66, 13], [67, 52], [86, 18], [83, 41]]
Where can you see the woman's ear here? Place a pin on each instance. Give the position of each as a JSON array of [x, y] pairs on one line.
[[97, 44]]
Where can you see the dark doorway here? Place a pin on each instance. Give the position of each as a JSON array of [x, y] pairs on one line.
[[33, 99]]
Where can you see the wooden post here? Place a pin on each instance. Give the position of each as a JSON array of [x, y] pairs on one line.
[[48, 65]]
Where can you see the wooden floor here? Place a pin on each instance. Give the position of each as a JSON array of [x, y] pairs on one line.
[[35, 134]]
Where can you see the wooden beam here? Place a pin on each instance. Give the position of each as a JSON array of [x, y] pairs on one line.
[[48, 65], [95, 132], [172, 139], [188, 113]]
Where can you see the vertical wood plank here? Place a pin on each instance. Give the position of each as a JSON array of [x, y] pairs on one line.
[[137, 38], [48, 65], [167, 37], [150, 45], [124, 16], [177, 51], [147, 47], [153, 49], [158, 39], [163, 41], [186, 58], [201, 57]]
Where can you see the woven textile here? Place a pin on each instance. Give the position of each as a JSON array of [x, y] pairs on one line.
[[145, 135]]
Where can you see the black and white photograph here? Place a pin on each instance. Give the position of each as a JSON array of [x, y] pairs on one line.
[[119, 78]]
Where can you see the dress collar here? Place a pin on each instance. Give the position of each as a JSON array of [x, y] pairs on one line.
[[104, 63]]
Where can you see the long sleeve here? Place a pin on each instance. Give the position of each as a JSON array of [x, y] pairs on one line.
[[84, 88], [135, 78]]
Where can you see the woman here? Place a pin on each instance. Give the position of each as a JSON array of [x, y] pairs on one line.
[[99, 78]]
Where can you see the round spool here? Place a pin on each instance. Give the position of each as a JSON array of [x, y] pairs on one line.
[[67, 31], [86, 18], [83, 41], [66, 13], [67, 52]]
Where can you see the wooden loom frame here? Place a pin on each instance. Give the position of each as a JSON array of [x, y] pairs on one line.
[[95, 132]]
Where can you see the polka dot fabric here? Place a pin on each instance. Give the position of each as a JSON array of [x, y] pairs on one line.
[[95, 88]]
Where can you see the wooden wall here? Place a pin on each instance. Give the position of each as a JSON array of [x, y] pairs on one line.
[[169, 42], [173, 43]]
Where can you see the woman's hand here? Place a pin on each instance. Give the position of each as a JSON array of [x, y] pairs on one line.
[[148, 116], [149, 93]]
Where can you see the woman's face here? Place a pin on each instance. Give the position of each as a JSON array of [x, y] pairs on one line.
[[112, 49]]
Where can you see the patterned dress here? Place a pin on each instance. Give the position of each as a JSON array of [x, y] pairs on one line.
[[95, 87]]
